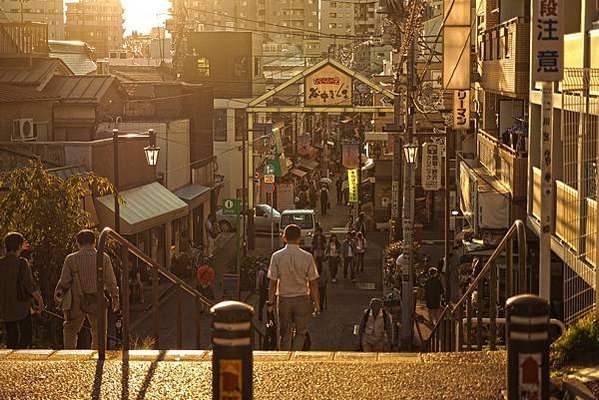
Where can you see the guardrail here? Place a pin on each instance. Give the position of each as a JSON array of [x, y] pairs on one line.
[[448, 332], [126, 248]]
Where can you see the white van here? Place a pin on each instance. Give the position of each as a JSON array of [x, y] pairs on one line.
[[305, 219]]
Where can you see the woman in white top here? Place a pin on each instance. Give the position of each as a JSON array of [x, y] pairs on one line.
[[333, 253]]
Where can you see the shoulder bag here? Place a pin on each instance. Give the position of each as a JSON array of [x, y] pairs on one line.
[[88, 302]]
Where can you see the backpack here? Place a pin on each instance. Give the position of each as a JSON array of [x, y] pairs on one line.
[[367, 315]]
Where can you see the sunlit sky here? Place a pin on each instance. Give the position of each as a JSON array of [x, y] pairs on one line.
[[142, 15]]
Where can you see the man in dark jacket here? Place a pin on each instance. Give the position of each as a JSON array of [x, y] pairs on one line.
[[18, 294], [433, 292]]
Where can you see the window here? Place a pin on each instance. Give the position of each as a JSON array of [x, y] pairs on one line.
[[220, 125]]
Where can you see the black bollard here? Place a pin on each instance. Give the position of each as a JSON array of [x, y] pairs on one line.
[[527, 337], [232, 359]]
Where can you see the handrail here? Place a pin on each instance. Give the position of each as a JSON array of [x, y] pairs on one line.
[[129, 247], [518, 228]]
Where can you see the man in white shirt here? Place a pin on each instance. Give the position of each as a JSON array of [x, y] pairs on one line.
[[293, 278]]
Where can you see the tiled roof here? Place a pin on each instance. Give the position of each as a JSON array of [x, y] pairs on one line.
[[12, 94], [75, 54], [19, 72], [140, 73], [80, 89]]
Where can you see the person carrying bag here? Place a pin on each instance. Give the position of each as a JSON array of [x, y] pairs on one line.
[[78, 275]]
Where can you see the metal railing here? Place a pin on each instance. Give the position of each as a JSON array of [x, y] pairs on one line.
[[126, 248], [448, 333]]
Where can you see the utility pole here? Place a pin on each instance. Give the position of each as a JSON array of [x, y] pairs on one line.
[[179, 36], [408, 208]]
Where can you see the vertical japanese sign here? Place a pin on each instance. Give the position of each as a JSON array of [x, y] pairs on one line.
[[548, 40], [351, 155], [529, 385], [456, 44], [461, 109], [431, 166], [328, 86], [352, 181]]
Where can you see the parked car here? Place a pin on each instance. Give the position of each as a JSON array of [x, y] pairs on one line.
[[306, 220], [262, 219]]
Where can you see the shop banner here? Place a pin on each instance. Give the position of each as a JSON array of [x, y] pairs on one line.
[[431, 166], [351, 155], [352, 181], [328, 86]]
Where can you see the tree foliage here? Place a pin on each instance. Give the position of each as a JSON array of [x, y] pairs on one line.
[[48, 211]]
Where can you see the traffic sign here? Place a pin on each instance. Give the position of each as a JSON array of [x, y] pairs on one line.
[[269, 178], [269, 187], [231, 206]]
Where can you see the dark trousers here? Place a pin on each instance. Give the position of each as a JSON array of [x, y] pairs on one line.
[[339, 197], [322, 293], [19, 334], [360, 266], [323, 207], [348, 262], [333, 266], [261, 303]]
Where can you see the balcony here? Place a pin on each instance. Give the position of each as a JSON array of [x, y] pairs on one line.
[[504, 56], [506, 164], [23, 38]]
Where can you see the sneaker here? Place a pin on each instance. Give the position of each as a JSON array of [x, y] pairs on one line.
[[353, 280], [334, 280]]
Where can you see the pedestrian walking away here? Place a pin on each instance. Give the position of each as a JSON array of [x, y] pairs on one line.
[[319, 243], [211, 234], [375, 332], [324, 200], [262, 289], [360, 251], [333, 255], [78, 281], [433, 293], [19, 295], [348, 252], [205, 277], [338, 187], [323, 280], [293, 279]]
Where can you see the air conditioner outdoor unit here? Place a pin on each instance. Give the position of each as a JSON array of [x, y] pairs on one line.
[[22, 130]]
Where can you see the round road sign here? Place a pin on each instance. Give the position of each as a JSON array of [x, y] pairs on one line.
[[269, 187]]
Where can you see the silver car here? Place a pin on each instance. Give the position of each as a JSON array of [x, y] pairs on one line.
[[262, 219]]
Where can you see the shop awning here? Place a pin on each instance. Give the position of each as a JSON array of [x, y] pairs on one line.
[[194, 195], [146, 207], [309, 165], [298, 172]]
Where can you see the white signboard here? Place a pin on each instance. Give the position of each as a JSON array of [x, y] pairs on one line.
[[431, 166], [456, 44], [461, 109], [328, 86], [269, 178], [548, 40]]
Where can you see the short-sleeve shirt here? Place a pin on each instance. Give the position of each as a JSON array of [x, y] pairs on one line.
[[11, 308], [293, 268]]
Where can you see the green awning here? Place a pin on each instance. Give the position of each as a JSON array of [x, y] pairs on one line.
[[145, 207]]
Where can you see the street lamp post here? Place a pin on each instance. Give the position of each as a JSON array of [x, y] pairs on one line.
[[410, 152]]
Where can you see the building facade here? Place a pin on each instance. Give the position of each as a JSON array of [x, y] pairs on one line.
[[99, 23], [50, 12]]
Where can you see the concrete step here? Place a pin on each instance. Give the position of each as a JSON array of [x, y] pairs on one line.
[[49, 374]]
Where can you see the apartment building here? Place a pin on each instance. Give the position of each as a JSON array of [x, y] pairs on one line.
[[574, 164], [99, 23], [350, 25], [50, 12]]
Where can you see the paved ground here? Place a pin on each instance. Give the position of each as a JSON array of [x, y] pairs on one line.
[[313, 375]]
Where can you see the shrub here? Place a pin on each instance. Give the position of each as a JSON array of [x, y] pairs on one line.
[[578, 343]]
